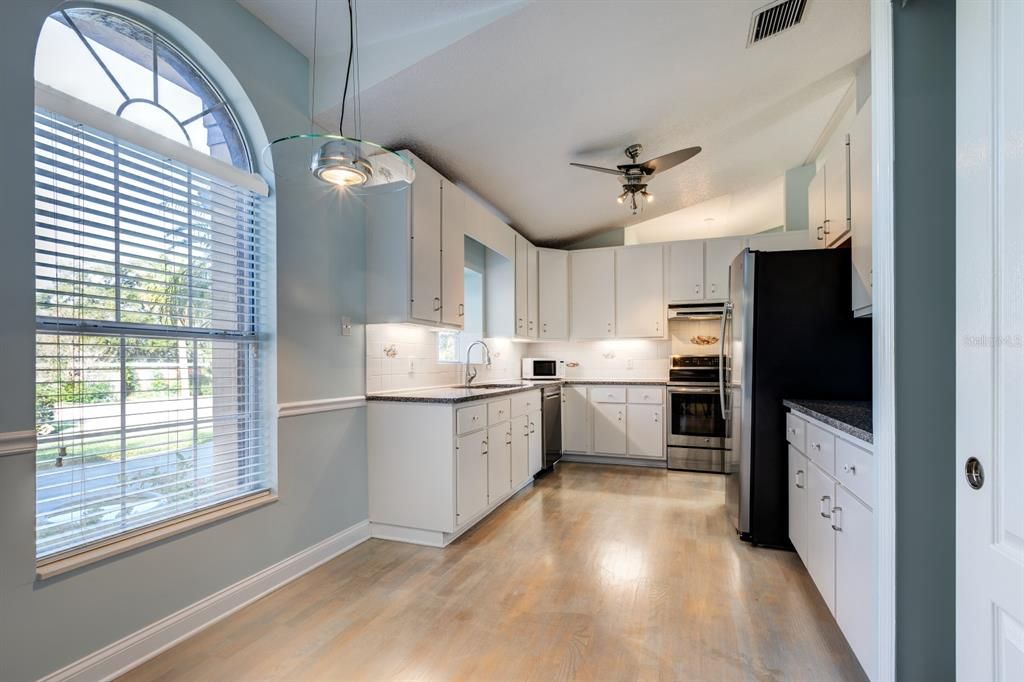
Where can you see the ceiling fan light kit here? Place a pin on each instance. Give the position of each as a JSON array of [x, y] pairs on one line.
[[635, 176]]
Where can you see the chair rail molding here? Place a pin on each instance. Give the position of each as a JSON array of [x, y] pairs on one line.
[[17, 443], [294, 409]]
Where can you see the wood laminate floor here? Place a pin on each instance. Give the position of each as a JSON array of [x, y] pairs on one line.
[[594, 573]]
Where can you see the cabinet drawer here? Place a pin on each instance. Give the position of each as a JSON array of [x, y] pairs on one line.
[[645, 395], [796, 432], [855, 469], [821, 448], [499, 411], [607, 394], [471, 418], [524, 403]]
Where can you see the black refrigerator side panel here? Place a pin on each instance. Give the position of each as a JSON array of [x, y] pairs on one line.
[[807, 345]]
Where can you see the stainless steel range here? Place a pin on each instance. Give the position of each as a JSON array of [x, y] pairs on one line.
[[698, 435]]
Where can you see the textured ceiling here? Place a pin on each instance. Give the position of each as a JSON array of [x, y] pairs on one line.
[[501, 96]]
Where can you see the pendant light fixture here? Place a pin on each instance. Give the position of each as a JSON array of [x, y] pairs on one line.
[[348, 163]]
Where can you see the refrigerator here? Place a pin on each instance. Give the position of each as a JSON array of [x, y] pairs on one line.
[[791, 334]]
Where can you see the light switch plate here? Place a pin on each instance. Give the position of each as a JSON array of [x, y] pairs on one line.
[[629, 363], [346, 326]]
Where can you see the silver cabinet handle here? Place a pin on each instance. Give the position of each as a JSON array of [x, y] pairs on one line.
[[533, 427], [620, 415], [483, 447], [656, 420], [797, 479], [837, 519], [818, 229], [713, 288], [462, 310], [850, 469], [437, 303], [816, 446], [823, 507], [696, 289], [520, 323]]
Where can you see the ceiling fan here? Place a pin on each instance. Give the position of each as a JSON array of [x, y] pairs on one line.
[[635, 176]]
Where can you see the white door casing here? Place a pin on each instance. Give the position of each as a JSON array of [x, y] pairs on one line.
[[990, 339]]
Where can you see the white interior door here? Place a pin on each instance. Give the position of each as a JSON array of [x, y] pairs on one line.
[[990, 340]]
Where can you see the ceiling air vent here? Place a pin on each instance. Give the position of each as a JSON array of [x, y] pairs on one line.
[[775, 18]]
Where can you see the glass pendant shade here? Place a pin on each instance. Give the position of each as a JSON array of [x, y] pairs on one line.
[[354, 165]]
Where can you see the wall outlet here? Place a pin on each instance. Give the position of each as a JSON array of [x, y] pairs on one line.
[[346, 326], [629, 363]]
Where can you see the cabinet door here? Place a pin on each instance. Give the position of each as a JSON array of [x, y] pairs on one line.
[[779, 241], [860, 209], [522, 312], [639, 287], [535, 442], [470, 476], [453, 256], [532, 302], [686, 271], [856, 583], [426, 245], [718, 256], [821, 539], [575, 419], [553, 293], [520, 468], [798, 509], [837, 194], [499, 461], [816, 209], [592, 293], [609, 428], [645, 430]]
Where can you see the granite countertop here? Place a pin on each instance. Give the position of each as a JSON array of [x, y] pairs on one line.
[[453, 394], [619, 382], [849, 416]]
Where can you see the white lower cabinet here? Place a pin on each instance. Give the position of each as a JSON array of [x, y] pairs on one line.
[[575, 419], [520, 467], [609, 428], [833, 530], [471, 475], [435, 469], [535, 444], [645, 430], [499, 461]]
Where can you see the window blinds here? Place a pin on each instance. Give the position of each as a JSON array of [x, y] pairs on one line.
[[150, 294]]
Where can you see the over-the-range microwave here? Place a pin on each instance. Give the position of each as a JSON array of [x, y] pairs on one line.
[[543, 368]]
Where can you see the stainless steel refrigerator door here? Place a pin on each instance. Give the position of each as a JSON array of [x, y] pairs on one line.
[[741, 295]]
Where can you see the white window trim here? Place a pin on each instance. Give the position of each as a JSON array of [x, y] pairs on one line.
[[78, 110], [107, 548]]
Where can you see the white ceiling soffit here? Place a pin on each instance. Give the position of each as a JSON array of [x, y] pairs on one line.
[[518, 91]]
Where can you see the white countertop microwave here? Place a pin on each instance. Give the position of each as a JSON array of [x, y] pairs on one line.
[[543, 368]]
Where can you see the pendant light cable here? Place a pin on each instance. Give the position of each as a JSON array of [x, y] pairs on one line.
[[312, 97], [348, 69]]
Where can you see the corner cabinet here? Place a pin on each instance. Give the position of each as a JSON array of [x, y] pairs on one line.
[[832, 526], [435, 469], [408, 277]]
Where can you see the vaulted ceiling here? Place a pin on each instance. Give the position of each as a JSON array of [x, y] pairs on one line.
[[500, 95]]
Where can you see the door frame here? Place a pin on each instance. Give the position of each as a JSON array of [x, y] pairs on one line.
[[883, 331]]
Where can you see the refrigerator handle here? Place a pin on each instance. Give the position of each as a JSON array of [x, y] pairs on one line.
[[721, 358]]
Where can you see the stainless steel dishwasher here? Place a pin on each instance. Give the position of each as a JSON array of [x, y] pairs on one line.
[[552, 425]]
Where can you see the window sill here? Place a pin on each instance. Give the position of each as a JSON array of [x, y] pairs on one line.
[[75, 559]]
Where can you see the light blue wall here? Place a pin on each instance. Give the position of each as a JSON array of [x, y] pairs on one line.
[[321, 458]]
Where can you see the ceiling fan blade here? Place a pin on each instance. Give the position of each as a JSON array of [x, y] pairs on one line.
[[612, 171], [666, 161]]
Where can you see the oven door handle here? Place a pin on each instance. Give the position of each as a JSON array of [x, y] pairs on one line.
[[692, 389]]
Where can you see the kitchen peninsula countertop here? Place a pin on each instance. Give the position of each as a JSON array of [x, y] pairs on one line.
[[462, 394], [849, 416]]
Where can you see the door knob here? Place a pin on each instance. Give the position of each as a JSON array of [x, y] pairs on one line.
[[975, 473]]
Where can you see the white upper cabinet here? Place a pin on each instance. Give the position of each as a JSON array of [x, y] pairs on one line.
[[718, 256], [686, 271], [592, 293], [426, 245], [837, 194], [532, 301], [816, 209], [453, 254], [522, 254], [779, 241], [639, 287], [553, 293], [860, 209]]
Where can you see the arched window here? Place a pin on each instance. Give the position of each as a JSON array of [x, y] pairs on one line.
[[152, 265]]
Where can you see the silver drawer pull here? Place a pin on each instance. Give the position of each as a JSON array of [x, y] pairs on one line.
[[850, 469], [823, 507], [837, 519]]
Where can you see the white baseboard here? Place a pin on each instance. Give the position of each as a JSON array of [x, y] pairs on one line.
[[414, 536], [137, 648]]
